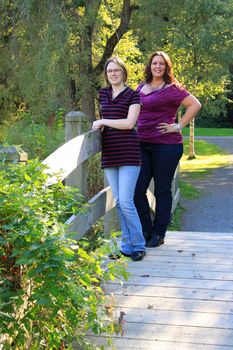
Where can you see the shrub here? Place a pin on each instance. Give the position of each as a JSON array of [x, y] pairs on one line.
[[38, 140], [50, 290]]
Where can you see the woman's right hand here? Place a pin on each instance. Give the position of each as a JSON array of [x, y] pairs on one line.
[[98, 124]]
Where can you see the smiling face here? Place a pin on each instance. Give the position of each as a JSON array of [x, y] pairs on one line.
[[158, 67], [114, 73]]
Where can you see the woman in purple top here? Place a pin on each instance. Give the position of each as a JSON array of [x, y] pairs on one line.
[[161, 142], [121, 158]]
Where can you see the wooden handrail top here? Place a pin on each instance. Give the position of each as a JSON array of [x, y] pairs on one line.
[[72, 154]]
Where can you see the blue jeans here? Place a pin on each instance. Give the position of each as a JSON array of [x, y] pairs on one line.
[[122, 181], [159, 161]]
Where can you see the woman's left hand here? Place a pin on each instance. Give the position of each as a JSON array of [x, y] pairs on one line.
[[165, 128]]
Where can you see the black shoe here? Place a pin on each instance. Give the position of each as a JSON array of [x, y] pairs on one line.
[[137, 256], [154, 242], [161, 241], [116, 256]]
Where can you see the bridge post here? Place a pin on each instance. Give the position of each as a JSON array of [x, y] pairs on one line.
[[13, 154], [76, 123]]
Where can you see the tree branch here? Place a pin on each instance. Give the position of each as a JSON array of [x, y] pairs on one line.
[[115, 38]]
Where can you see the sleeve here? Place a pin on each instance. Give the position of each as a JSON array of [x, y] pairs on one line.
[[179, 94], [135, 98], [140, 86]]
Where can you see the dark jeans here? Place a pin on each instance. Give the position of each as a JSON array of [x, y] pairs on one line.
[[158, 162]]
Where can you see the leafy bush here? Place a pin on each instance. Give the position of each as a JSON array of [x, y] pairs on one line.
[[50, 289], [38, 140]]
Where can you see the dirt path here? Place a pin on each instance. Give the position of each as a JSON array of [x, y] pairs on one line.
[[213, 211]]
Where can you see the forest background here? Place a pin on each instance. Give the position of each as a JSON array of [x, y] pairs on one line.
[[53, 54]]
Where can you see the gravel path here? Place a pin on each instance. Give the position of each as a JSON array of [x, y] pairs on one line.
[[213, 211]]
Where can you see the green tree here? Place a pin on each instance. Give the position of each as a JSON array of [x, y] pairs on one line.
[[56, 51]]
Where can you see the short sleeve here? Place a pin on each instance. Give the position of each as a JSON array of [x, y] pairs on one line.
[[179, 94], [140, 86], [135, 98]]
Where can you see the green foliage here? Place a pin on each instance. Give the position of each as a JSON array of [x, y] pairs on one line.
[[38, 140], [49, 291], [176, 220], [51, 52], [209, 131], [204, 148], [188, 191], [197, 35]]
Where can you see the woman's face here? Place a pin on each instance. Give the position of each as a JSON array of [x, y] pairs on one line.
[[115, 74], [158, 67]]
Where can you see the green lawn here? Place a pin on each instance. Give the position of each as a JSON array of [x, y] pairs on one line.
[[208, 157], [209, 131]]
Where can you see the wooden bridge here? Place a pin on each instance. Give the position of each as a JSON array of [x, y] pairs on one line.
[[180, 297]]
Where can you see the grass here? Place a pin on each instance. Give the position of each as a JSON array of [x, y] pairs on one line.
[[208, 157], [209, 131], [176, 222]]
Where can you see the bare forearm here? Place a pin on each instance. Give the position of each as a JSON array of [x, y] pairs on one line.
[[123, 124], [189, 114]]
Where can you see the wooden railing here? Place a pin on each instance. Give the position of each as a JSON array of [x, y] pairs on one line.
[[69, 163]]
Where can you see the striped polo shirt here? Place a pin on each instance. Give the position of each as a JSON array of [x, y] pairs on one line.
[[119, 147]]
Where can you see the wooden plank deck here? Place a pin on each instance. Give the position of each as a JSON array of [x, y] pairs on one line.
[[180, 297]]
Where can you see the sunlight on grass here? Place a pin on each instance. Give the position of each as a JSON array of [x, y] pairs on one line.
[[208, 157], [209, 131]]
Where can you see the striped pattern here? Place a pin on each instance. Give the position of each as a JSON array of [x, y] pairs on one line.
[[120, 147]]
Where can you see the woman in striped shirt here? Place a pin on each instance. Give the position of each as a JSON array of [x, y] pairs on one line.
[[121, 160]]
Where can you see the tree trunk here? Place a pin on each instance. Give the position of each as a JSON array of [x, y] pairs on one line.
[[191, 141], [88, 103]]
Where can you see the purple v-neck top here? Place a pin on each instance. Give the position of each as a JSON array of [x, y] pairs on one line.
[[159, 107]]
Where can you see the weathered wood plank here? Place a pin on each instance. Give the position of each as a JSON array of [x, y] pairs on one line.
[[73, 153], [177, 318], [188, 260], [162, 251], [171, 292], [178, 303], [142, 344], [180, 283], [183, 334], [96, 207], [202, 245], [199, 275], [208, 236], [177, 266]]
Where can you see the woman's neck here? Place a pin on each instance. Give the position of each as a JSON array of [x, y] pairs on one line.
[[157, 83], [116, 89]]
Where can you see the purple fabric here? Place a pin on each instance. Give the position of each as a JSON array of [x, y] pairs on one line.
[[159, 107], [119, 147]]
